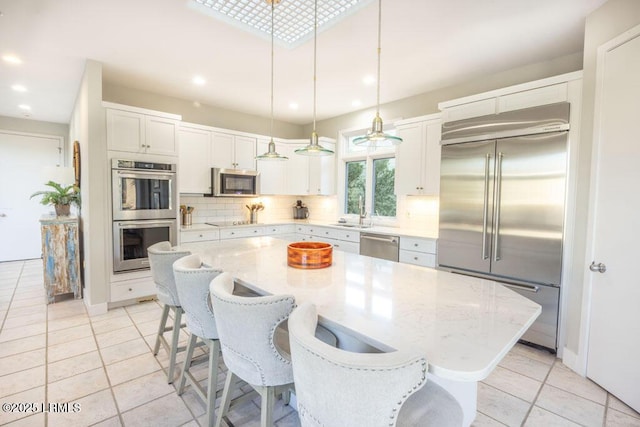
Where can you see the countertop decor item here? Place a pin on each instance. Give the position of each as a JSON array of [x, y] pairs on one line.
[[254, 208], [60, 197], [309, 255]]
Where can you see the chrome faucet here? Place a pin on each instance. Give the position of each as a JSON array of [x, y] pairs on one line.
[[362, 213]]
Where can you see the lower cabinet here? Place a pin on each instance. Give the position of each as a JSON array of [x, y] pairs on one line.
[[344, 240], [418, 251], [199, 236]]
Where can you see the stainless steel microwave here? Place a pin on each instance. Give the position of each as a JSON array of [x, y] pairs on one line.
[[234, 182]]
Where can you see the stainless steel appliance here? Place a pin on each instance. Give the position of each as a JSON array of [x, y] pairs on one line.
[[502, 201], [145, 210], [300, 211], [132, 238], [143, 190], [234, 182], [379, 246]]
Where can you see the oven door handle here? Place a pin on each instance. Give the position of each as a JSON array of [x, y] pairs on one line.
[[146, 224], [145, 174]]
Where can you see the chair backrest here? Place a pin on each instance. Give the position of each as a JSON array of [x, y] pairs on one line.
[[161, 259], [247, 326], [335, 387], [192, 282]]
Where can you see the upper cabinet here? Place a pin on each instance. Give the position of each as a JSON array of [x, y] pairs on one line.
[[418, 157], [540, 92], [299, 175], [135, 130], [194, 163], [233, 151]]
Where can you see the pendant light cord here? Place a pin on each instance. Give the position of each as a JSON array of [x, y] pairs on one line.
[[315, 37], [272, 9], [379, 49]]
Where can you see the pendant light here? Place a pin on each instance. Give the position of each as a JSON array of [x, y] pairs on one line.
[[271, 153], [314, 148], [376, 137]]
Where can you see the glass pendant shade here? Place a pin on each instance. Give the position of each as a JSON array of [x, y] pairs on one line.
[[271, 153], [376, 137], [314, 148]]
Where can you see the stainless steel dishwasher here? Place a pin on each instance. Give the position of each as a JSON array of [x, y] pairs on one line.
[[379, 246]]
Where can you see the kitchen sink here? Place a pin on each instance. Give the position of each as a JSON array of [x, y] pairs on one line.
[[347, 225]]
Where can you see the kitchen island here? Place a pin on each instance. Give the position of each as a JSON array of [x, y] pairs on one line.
[[463, 325]]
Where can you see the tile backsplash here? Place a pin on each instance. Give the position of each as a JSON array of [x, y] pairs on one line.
[[419, 212], [276, 208]]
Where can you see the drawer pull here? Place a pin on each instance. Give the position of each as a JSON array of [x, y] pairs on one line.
[[415, 244], [415, 258]]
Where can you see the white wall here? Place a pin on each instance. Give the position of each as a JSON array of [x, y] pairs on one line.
[[203, 114], [89, 129]]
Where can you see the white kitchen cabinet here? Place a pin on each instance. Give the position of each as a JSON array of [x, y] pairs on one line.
[[418, 157], [239, 232], [137, 132], [278, 229], [322, 172], [199, 235], [418, 251], [273, 174], [344, 240], [194, 171], [233, 151], [525, 95], [132, 289]]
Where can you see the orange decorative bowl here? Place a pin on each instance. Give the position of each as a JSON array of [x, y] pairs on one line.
[[309, 255]]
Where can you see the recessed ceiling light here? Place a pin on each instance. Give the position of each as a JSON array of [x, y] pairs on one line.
[[198, 80], [24, 107], [293, 105], [368, 80], [19, 88], [12, 59], [356, 103]]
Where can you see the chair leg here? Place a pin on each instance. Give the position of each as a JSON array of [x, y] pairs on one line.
[[175, 336], [191, 345], [229, 386], [212, 382], [163, 323], [268, 395]]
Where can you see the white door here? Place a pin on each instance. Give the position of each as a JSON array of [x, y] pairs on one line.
[[614, 329], [22, 160]]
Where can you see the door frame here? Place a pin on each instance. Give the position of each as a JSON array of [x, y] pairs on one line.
[[585, 324]]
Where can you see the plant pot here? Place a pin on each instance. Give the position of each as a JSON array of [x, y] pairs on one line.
[[62, 210]]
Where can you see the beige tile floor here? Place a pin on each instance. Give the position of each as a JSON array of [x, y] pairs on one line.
[[104, 364]]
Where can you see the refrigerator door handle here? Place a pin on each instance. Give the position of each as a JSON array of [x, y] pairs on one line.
[[497, 191], [485, 207]]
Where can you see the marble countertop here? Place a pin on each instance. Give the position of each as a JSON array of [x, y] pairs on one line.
[[393, 231], [463, 325]]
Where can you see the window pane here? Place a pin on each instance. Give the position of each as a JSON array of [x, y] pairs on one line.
[[355, 184], [384, 199]]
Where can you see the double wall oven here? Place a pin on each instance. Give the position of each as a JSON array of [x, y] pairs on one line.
[[145, 205]]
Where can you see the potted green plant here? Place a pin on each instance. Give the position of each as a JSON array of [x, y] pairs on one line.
[[61, 197]]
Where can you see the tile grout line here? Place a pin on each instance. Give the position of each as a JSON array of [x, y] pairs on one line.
[[542, 384]]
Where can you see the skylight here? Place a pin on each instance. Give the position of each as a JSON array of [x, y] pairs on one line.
[[293, 18]]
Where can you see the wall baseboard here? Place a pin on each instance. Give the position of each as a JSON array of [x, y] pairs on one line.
[[574, 362], [96, 309]]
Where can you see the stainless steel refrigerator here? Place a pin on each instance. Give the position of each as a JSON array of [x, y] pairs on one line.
[[502, 204]]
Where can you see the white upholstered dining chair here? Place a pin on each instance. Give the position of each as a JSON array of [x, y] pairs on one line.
[[192, 283], [161, 259], [335, 387], [254, 346]]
